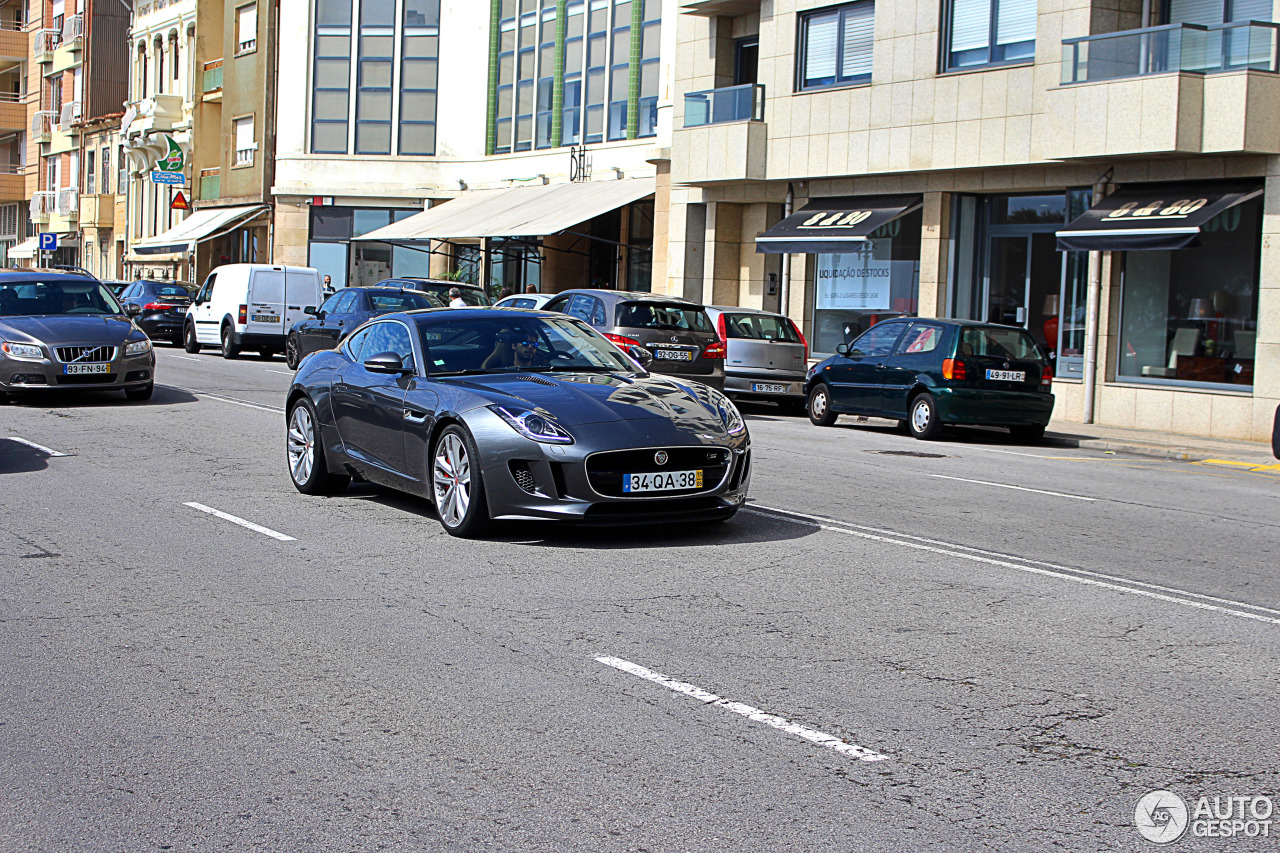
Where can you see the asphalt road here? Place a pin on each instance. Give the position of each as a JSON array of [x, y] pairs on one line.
[[990, 647]]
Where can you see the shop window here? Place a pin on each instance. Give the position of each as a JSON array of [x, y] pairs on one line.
[[989, 32], [1190, 316], [876, 280], [836, 46]]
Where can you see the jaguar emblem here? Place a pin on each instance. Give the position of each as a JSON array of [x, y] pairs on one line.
[[660, 458]]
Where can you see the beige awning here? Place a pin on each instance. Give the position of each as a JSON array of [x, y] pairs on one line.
[[516, 212], [201, 225]]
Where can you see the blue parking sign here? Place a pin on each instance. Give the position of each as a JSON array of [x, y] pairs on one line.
[[48, 242]]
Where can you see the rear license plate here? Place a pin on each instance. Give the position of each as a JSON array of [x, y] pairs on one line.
[[73, 369], [665, 481], [265, 318], [1007, 375], [673, 355], [766, 388]]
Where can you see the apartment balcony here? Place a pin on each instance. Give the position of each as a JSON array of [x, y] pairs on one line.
[[97, 211], [157, 114], [69, 115], [1177, 89], [73, 32], [44, 204], [42, 125], [13, 183], [13, 113], [68, 202], [15, 44], [211, 81], [210, 184], [46, 43], [63, 141], [724, 136]]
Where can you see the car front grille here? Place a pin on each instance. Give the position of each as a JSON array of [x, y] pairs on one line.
[[84, 355], [605, 471]]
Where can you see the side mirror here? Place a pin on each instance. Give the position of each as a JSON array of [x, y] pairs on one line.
[[133, 309], [642, 355], [387, 362], [311, 309], [842, 349]]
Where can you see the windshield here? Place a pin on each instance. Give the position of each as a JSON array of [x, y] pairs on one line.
[[759, 327], [71, 296], [999, 342], [507, 344], [397, 301], [663, 315]]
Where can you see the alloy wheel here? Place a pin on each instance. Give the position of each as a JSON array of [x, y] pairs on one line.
[[452, 480], [302, 444]]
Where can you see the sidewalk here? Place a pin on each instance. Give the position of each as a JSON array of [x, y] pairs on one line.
[[1160, 445]]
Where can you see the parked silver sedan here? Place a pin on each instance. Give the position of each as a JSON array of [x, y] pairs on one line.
[[766, 358]]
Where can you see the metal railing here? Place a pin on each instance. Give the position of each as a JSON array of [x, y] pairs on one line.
[[1174, 47], [42, 123], [69, 116], [72, 28], [720, 106], [69, 201], [211, 76], [244, 157], [43, 204], [12, 169], [210, 184], [11, 98], [47, 41]]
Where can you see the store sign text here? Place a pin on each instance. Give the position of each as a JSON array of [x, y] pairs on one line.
[[838, 219], [1158, 210]]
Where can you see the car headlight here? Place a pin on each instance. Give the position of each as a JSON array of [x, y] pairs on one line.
[[728, 412], [533, 425], [22, 350], [137, 348]]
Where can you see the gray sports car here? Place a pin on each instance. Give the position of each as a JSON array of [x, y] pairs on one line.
[[61, 332], [504, 413]]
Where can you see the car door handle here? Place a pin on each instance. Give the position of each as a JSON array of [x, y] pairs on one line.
[[414, 416], [295, 307]]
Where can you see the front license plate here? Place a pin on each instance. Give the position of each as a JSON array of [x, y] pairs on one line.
[[765, 388], [673, 355], [665, 481], [1007, 375], [265, 318], [73, 369]]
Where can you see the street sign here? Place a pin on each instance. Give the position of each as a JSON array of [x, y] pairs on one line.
[[175, 179], [179, 202], [48, 242]]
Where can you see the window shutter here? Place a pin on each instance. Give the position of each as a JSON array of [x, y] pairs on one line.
[[248, 24], [822, 34], [1015, 21], [8, 221], [859, 34], [1197, 11], [970, 24], [244, 134]]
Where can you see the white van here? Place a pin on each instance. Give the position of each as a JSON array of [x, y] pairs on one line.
[[250, 306]]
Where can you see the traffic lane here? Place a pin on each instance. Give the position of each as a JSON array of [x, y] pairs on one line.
[[952, 692], [253, 380], [766, 615], [1168, 523]]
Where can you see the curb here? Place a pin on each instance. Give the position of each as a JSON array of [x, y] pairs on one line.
[[1149, 451]]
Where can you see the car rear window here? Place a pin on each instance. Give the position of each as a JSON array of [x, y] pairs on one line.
[[759, 327], [999, 342], [662, 315], [473, 296], [387, 302], [171, 290]]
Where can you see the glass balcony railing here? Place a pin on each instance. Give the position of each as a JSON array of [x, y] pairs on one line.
[[212, 76], [1174, 47], [720, 106]]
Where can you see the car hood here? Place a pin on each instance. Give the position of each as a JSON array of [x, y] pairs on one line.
[[592, 398], [66, 328]]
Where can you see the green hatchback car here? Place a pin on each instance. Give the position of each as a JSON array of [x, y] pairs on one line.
[[925, 373]]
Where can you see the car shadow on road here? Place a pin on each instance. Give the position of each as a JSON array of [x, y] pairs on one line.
[[745, 528], [162, 396], [19, 458]]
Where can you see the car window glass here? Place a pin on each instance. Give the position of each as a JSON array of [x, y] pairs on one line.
[[129, 292], [877, 341], [355, 345], [207, 292], [327, 307], [919, 339], [759, 327], [597, 312], [345, 303], [555, 305], [998, 342], [579, 306], [663, 315], [388, 302], [169, 290]]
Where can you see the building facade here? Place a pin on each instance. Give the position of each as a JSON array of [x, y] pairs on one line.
[[975, 135], [17, 108], [401, 105]]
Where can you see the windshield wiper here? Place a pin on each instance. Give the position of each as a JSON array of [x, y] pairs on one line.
[[474, 371], [558, 368]]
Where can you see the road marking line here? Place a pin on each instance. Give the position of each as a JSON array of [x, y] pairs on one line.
[[1019, 488], [188, 358], [282, 372], [1080, 576], [861, 753], [39, 447], [259, 406], [257, 528]]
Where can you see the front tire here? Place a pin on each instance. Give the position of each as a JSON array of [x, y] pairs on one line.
[[189, 342], [1032, 434], [457, 486], [819, 405], [923, 420], [229, 348], [291, 352], [139, 395], [308, 467]]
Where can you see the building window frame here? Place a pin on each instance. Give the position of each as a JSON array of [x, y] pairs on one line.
[[243, 156], [998, 54], [244, 45], [853, 22]]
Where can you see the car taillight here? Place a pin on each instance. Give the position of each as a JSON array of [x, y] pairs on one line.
[[1046, 377], [622, 340], [724, 336], [159, 306], [800, 335], [953, 369], [715, 350], [244, 314]]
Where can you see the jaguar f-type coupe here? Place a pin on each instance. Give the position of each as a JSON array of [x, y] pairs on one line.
[[503, 413]]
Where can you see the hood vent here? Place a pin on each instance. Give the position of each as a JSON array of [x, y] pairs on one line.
[[539, 380]]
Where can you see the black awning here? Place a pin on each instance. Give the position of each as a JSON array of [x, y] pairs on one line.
[[1152, 216], [836, 224]]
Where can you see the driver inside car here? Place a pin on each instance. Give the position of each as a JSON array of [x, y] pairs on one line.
[[516, 348]]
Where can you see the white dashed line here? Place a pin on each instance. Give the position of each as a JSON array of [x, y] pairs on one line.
[[861, 753], [1018, 488], [281, 372], [232, 400], [39, 447], [188, 358], [256, 528]]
